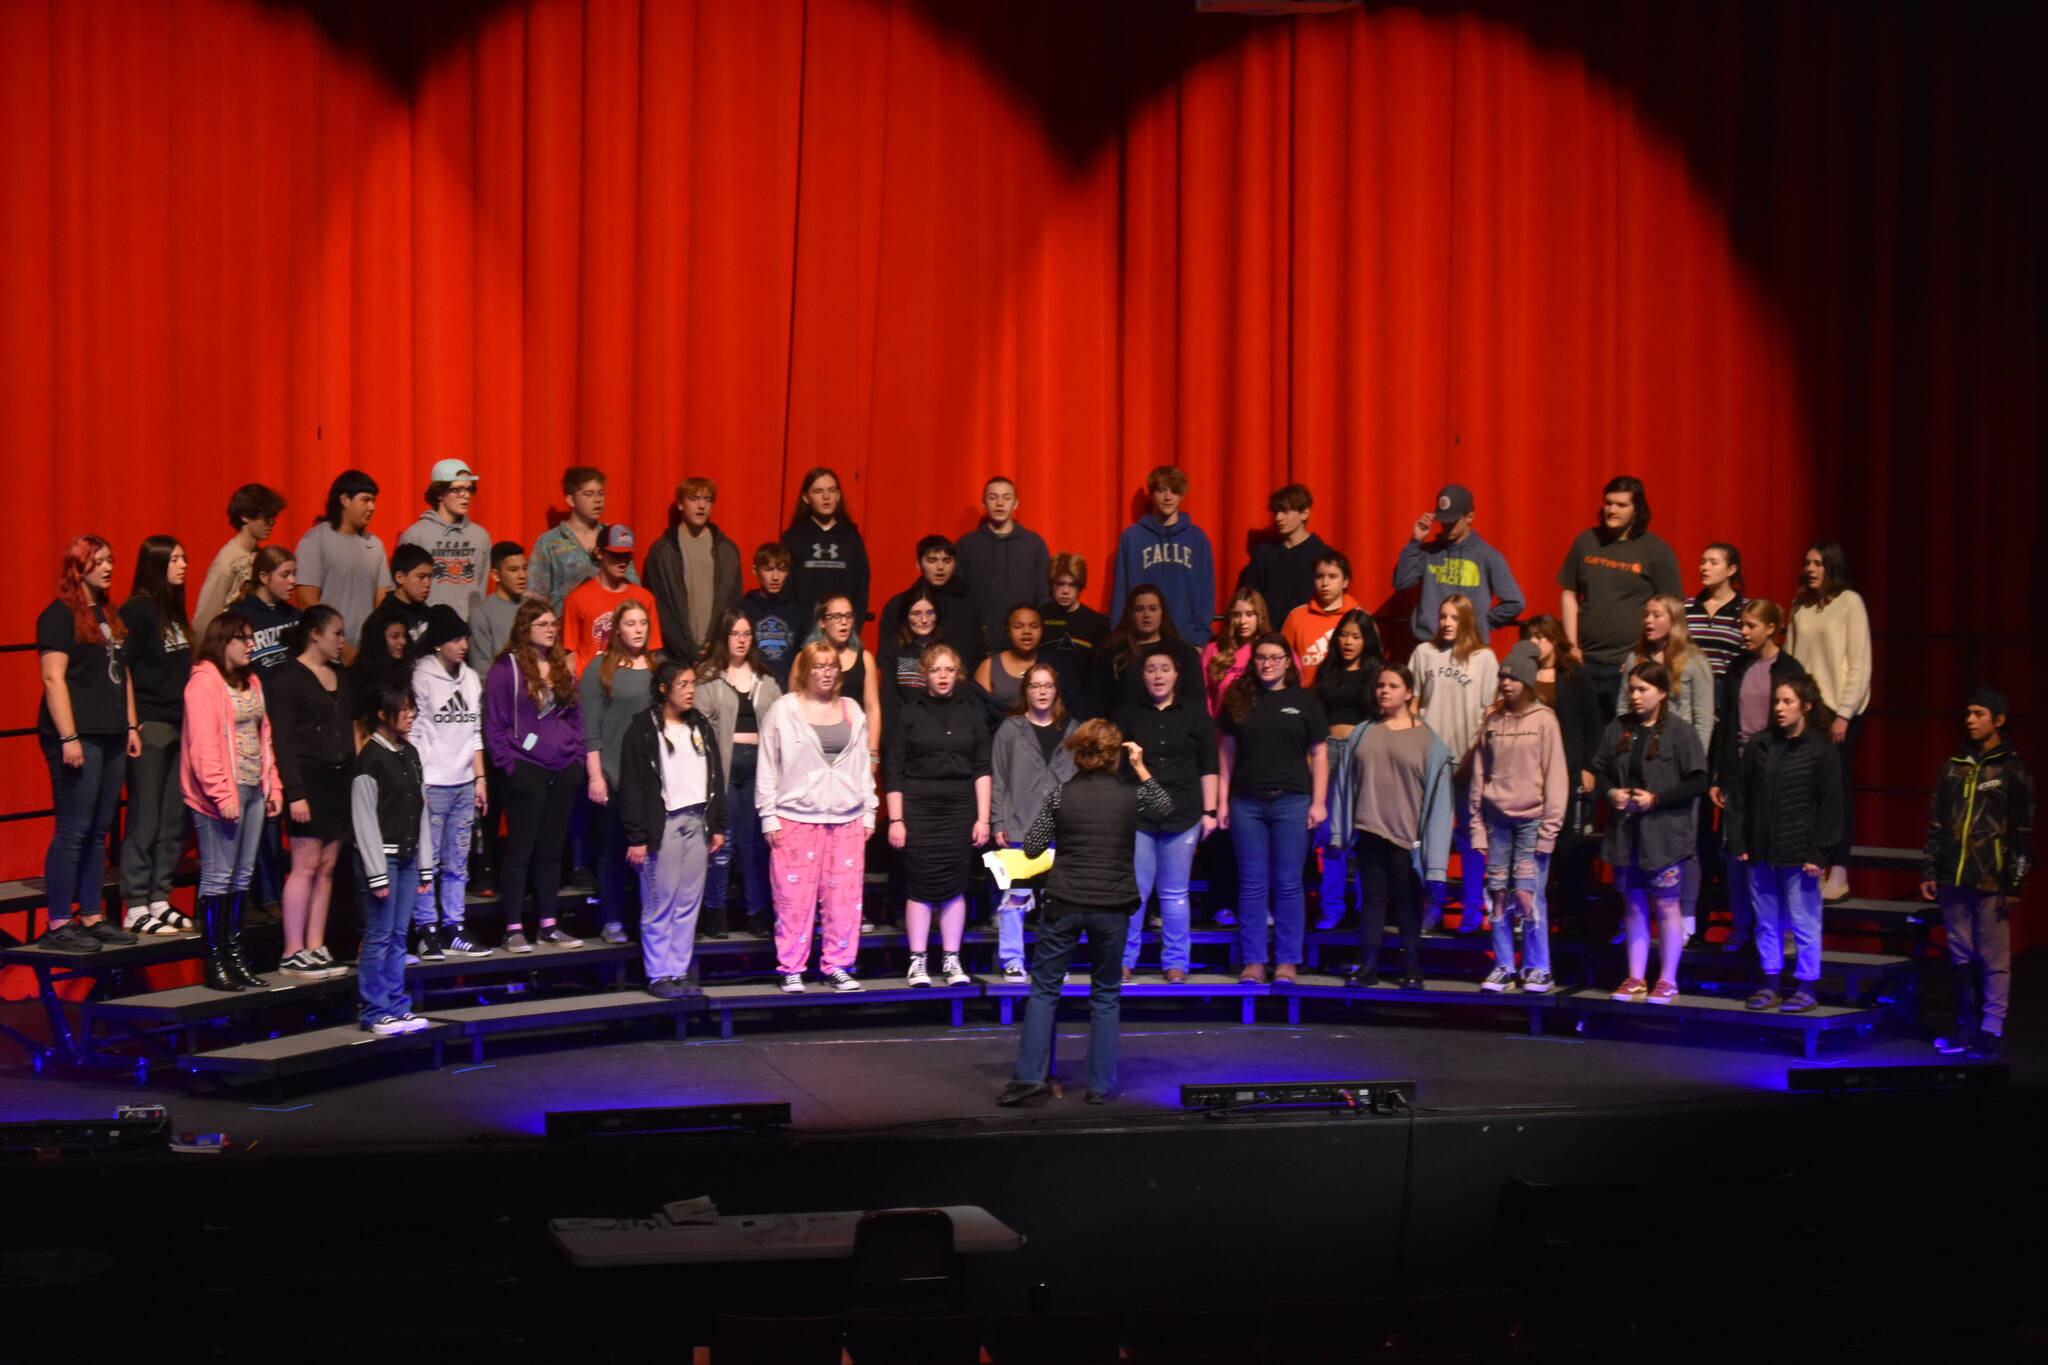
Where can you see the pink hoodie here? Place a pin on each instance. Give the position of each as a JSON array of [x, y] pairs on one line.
[[1518, 771], [206, 760]]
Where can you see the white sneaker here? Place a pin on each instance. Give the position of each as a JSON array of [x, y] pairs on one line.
[[389, 1026], [956, 975], [1499, 979], [917, 975], [842, 980], [1536, 982], [1015, 975], [793, 983], [415, 1022]]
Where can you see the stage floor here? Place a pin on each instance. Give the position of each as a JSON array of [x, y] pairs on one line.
[[869, 1075]]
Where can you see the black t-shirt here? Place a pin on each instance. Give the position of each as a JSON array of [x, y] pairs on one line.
[[1179, 741], [95, 674], [1049, 738], [1273, 741]]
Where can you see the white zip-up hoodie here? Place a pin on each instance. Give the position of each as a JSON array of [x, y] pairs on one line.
[[448, 729], [794, 780]]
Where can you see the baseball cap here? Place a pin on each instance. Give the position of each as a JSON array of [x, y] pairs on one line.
[[451, 471], [1453, 500], [616, 538]]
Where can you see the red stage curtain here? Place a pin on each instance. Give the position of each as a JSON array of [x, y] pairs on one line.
[[1780, 260]]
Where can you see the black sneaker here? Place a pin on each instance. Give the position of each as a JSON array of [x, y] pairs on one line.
[[1989, 1047], [1953, 1044], [1021, 1092], [430, 945], [69, 937], [462, 945], [109, 933]]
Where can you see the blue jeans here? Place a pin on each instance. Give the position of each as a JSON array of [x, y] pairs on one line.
[[1336, 857], [1741, 900], [451, 812], [380, 965], [1164, 862], [1010, 926], [617, 883], [1512, 856], [268, 875], [1059, 931], [1784, 895], [1471, 863], [227, 848], [86, 797], [743, 842], [1270, 832]]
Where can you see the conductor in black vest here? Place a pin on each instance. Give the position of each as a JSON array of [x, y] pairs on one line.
[[1093, 823]]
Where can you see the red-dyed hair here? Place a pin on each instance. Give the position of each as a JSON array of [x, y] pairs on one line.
[[78, 557]]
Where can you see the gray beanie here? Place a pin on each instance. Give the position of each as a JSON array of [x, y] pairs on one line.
[[1522, 663]]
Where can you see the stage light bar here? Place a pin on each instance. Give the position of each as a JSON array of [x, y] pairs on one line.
[[1357, 1097], [698, 1118], [1918, 1076]]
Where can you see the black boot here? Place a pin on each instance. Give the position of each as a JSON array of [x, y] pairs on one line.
[[1411, 967], [231, 941], [212, 946]]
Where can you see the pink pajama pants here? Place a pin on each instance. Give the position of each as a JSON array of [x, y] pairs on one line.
[[818, 869]]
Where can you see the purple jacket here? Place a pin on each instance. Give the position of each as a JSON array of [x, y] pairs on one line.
[[510, 718]]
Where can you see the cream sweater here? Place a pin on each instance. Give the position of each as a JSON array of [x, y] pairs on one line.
[[1833, 644]]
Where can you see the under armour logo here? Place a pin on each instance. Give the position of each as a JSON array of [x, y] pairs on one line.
[[822, 551]]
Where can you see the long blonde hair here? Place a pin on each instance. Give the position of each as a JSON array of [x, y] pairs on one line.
[[1467, 642], [1678, 645], [616, 653]]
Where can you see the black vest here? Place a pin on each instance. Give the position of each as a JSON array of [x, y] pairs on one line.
[[1096, 833]]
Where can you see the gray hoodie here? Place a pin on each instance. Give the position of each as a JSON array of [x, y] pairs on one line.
[[718, 701], [462, 558]]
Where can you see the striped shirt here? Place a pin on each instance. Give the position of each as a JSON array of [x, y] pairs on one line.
[[1716, 634]]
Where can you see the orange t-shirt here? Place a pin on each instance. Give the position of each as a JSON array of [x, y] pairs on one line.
[[587, 614], [1308, 629]]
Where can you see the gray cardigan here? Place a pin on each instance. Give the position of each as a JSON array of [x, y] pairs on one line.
[[1023, 779], [718, 701]]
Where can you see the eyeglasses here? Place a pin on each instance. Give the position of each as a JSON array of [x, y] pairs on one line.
[[838, 616], [1274, 659]]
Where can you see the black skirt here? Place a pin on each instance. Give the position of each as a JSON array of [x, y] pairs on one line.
[[327, 803], [938, 824]]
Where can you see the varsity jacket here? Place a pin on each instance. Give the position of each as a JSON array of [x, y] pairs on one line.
[[387, 806], [1787, 808], [1981, 835], [448, 722], [643, 805]]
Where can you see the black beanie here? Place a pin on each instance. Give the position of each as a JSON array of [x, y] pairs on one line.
[[1992, 700], [444, 623]]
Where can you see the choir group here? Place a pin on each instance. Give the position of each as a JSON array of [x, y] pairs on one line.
[[466, 710]]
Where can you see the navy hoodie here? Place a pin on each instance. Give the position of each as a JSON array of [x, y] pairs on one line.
[[779, 627], [1176, 560]]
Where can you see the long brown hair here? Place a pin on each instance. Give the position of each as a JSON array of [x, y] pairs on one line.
[[213, 649], [1241, 696], [1022, 706], [615, 651], [1548, 627], [561, 679], [1226, 648], [1120, 650], [72, 592], [268, 560], [718, 650]]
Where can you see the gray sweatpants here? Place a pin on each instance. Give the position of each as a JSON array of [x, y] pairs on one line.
[[1979, 929], [671, 892]]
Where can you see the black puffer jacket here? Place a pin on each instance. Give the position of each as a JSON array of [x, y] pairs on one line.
[[1787, 808], [1981, 836], [1725, 754]]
